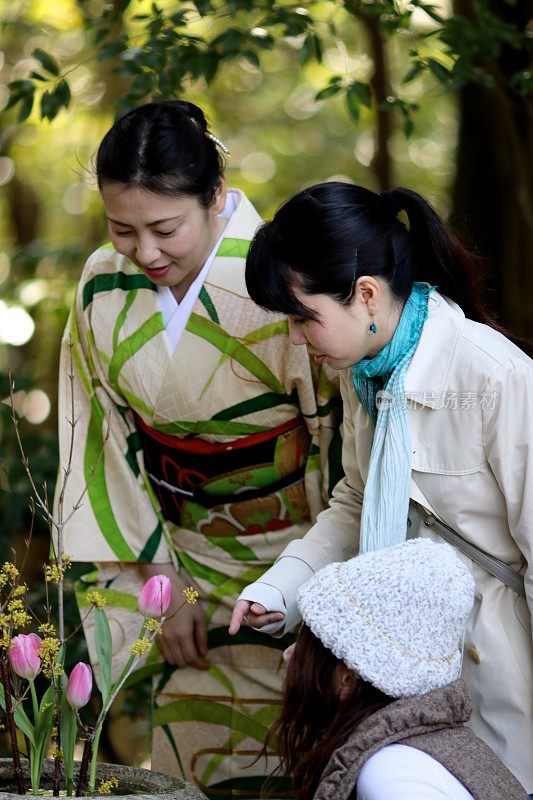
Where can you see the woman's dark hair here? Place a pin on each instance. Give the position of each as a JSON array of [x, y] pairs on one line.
[[314, 722], [164, 148], [327, 236]]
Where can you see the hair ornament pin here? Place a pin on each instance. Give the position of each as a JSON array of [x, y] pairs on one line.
[[218, 142]]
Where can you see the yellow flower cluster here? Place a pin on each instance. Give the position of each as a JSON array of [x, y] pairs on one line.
[[52, 573], [13, 616], [140, 647], [56, 572], [96, 599], [48, 629], [152, 625], [190, 594], [106, 787], [56, 752], [8, 573], [17, 615], [13, 613], [5, 638], [48, 655]]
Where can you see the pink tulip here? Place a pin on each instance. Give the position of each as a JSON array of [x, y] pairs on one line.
[[24, 655], [80, 685], [154, 598]]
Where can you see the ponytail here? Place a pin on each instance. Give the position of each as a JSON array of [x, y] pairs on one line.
[[437, 256]]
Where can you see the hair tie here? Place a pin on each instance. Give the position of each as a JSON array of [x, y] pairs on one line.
[[218, 142], [392, 204]]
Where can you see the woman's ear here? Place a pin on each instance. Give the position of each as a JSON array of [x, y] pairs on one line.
[[219, 200], [345, 681], [368, 293]]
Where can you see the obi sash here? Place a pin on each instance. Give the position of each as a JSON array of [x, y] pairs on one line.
[[212, 474]]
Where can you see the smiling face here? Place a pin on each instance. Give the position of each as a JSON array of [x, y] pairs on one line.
[[339, 336], [168, 237]]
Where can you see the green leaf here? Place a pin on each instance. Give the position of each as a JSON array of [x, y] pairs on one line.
[[179, 19], [357, 94], [360, 92], [21, 718], [26, 106], [68, 731], [252, 57], [352, 104], [47, 61], [21, 87], [49, 105], [413, 72], [311, 49], [43, 730], [203, 7], [104, 649], [408, 127], [62, 93], [438, 70], [328, 91]]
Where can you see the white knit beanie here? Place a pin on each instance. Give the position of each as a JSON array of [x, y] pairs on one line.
[[395, 616]]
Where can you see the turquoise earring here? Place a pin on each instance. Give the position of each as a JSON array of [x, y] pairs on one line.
[[373, 328]]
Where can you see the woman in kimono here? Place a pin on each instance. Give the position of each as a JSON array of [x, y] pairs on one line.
[[201, 437], [438, 424]]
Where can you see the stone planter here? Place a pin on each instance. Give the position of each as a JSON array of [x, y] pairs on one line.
[[134, 783]]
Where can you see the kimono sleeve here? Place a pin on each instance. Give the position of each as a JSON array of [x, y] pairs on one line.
[[317, 393], [109, 510], [324, 464]]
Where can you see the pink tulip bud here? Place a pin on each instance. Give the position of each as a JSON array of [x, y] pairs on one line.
[[24, 655], [80, 685], [154, 598]]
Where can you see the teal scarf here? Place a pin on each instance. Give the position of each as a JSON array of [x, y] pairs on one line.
[[379, 383]]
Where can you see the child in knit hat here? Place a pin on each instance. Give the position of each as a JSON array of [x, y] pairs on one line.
[[373, 707]]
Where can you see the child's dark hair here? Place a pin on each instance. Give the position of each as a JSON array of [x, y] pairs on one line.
[[314, 721], [327, 236], [162, 147]]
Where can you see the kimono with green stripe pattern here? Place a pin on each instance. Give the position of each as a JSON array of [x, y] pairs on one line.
[[234, 373]]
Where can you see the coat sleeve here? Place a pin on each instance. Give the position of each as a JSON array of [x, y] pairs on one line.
[[508, 442], [109, 511], [335, 535]]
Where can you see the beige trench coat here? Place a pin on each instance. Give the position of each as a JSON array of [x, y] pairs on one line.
[[470, 399]]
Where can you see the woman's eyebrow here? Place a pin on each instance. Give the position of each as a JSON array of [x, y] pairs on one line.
[[155, 222]]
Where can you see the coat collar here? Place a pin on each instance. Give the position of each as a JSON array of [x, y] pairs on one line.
[[428, 374], [438, 710]]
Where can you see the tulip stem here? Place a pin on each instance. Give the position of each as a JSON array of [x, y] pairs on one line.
[[35, 702], [10, 715]]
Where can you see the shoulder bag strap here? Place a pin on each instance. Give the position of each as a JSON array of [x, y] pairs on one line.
[[506, 574]]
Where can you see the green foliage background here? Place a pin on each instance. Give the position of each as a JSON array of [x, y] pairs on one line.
[[280, 137]]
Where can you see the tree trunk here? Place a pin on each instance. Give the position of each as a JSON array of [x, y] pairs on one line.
[[381, 162], [493, 191]]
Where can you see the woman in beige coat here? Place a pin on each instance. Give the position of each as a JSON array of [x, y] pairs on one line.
[[438, 411]]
